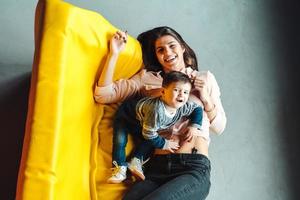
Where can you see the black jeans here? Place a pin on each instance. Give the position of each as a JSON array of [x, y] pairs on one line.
[[174, 176]]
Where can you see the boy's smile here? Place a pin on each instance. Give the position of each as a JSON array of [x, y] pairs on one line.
[[176, 95]]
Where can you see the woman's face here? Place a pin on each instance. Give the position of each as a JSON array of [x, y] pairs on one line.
[[169, 53]]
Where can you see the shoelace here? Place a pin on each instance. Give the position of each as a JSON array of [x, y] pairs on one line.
[[145, 161], [142, 162], [115, 169], [139, 163]]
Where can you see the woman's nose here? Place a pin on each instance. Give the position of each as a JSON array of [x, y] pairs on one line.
[[167, 51]]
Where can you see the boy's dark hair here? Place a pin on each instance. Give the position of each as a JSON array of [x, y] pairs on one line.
[[175, 76], [147, 40]]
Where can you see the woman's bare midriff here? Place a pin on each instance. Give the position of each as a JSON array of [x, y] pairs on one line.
[[199, 143]]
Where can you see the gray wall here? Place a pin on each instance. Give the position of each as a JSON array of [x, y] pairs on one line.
[[16, 52], [251, 47]]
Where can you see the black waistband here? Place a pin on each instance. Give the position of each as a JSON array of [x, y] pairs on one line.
[[183, 156]]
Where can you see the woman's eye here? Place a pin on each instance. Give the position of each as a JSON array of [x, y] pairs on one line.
[[159, 50]]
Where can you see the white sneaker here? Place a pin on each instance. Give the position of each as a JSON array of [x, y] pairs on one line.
[[135, 167], [118, 174]]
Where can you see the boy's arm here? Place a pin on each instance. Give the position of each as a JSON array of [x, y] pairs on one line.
[[152, 136], [196, 117], [193, 112], [151, 124], [159, 142]]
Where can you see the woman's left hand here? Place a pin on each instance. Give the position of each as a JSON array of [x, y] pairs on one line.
[[200, 84]]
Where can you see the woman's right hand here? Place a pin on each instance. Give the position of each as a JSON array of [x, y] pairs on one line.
[[116, 45], [118, 42]]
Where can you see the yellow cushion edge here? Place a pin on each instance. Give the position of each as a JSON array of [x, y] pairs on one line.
[[51, 186]]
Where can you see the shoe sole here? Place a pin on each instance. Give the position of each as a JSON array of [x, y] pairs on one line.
[[137, 174], [114, 181]]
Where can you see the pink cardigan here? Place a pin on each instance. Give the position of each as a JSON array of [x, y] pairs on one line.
[[149, 84]]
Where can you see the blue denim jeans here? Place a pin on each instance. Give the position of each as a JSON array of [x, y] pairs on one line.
[[173, 176], [125, 123]]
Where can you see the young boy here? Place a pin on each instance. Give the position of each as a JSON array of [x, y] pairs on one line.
[[145, 117]]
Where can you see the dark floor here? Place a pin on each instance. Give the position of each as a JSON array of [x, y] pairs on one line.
[[13, 110]]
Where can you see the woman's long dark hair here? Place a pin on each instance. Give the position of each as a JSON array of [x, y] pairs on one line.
[[147, 40]]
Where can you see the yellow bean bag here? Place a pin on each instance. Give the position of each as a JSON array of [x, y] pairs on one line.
[[67, 145]]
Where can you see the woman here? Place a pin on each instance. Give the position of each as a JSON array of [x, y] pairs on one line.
[[186, 173]]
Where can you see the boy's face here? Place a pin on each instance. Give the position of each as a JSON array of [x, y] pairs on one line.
[[176, 94]]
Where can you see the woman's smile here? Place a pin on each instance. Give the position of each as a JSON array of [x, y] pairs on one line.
[[169, 53]]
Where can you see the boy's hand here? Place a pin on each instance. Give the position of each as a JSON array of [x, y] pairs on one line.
[[171, 146], [118, 42]]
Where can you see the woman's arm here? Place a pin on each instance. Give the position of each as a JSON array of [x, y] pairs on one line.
[[210, 97], [119, 90], [116, 46], [108, 91], [218, 123]]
